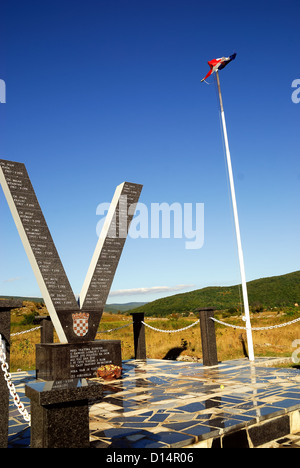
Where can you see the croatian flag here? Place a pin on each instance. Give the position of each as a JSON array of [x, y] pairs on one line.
[[218, 64]]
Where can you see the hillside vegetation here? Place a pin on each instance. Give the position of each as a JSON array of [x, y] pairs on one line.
[[119, 308], [264, 293]]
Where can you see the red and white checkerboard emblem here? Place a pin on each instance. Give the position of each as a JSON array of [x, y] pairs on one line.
[[80, 323]]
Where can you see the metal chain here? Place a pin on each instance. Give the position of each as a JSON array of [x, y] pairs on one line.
[[114, 329], [25, 331], [10, 385], [256, 328], [170, 331]]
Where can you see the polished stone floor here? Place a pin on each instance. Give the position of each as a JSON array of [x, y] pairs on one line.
[[171, 404]]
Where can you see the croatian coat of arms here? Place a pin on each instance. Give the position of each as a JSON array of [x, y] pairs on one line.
[[80, 323]]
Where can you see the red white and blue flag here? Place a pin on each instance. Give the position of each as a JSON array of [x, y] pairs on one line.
[[218, 64]]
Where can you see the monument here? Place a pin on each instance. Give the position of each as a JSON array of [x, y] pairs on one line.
[[78, 355]]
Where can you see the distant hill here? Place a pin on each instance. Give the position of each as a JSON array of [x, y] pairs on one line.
[[275, 291], [114, 308]]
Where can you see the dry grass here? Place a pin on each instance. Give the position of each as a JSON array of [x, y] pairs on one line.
[[22, 351], [231, 343]]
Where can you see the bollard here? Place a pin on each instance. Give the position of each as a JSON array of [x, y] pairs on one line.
[[5, 308], [47, 329], [139, 336], [208, 336]]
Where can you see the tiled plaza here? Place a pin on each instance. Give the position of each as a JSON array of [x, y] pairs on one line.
[[172, 404]]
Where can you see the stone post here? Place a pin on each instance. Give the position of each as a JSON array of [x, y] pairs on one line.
[[5, 308], [208, 336], [139, 335], [47, 329]]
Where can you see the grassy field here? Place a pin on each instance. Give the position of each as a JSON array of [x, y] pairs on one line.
[[231, 343]]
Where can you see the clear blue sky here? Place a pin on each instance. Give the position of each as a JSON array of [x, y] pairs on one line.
[[103, 91]]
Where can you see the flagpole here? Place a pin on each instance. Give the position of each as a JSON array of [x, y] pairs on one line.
[[237, 228]]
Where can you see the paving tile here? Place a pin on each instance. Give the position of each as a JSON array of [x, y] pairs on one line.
[[159, 417], [265, 412], [192, 407], [179, 426], [202, 432], [174, 439], [226, 423], [288, 404], [146, 443]]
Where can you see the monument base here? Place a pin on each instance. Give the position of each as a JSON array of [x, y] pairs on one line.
[[60, 361], [60, 412]]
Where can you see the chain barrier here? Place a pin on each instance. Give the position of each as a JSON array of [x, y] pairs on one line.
[[25, 331], [256, 328], [12, 389], [212, 318], [170, 331], [114, 329]]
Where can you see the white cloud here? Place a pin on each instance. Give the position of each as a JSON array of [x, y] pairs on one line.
[[11, 280], [150, 290]]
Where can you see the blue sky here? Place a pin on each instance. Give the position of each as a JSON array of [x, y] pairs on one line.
[[99, 92]]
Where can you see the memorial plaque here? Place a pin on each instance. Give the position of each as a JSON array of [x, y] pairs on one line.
[[73, 322], [76, 360]]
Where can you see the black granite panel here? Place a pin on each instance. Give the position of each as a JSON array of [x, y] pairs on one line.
[[60, 426], [271, 430], [75, 360]]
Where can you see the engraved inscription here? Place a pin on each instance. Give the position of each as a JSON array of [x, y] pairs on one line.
[[46, 264], [85, 361], [38, 235], [102, 276]]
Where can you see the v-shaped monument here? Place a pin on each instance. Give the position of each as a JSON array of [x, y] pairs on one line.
[[76, 322]]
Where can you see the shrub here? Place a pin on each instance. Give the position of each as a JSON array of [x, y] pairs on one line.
[[28, 319]]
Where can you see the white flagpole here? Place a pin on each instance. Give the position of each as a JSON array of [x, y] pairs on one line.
[[237, 228]]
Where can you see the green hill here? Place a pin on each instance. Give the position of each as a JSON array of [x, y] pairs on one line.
[[115, 308], [275, 291]]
